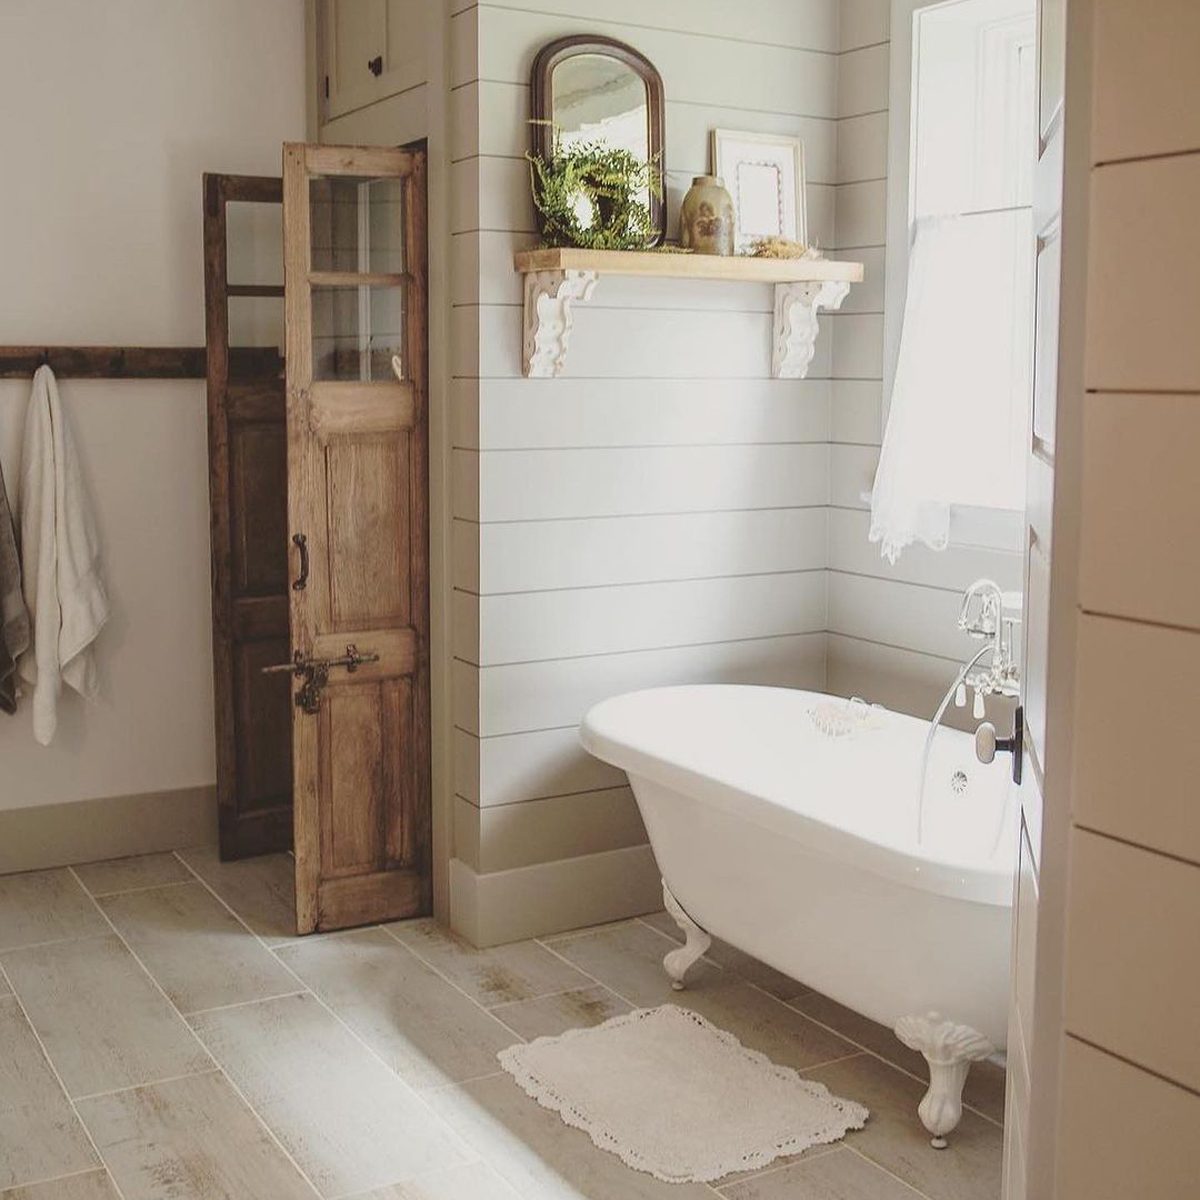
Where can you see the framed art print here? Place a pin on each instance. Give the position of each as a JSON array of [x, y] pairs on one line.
[[764, 174]]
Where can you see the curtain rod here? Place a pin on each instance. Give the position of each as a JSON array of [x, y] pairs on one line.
[[132, 362]]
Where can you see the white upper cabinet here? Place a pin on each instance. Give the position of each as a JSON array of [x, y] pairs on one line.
[[368, 49]]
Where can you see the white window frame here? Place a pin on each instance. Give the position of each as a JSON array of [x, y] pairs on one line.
[[989, 528]]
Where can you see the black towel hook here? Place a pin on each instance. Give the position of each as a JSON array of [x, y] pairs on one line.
[[45, 360]]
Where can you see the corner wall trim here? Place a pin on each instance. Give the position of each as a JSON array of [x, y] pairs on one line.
[[57, 835], [491, 908]]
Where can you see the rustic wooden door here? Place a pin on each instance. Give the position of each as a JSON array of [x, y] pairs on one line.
[[247, 449], [357, 427]]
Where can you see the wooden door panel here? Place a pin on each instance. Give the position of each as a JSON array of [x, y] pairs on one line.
[[258, 477], [248, 503], [368, 518], [357, 490]]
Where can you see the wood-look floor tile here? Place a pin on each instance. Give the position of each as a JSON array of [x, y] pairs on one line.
[[985, 1082], [40, 1135], [476, 1181], [547, 1016], [424, 1028], [93, 1185], [968, 1169], [122, 874], [839, 1175], [538, 1154], [45, 906], [262, 890], [517, 971], [103, 1022], [349, 1122], [628, 959], [201, 955], [781, 986], [190, 1139]]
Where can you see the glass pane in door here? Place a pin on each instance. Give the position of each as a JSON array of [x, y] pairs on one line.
[[356, 331], [357, 224]]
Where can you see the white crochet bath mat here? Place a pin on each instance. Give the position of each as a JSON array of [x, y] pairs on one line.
[[672, 1095]]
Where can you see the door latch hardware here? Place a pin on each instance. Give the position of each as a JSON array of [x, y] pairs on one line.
[[375, 65], [315, 673]]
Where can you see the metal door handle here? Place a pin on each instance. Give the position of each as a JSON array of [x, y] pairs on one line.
[[301, 544], [375, 65], [315, 673], [987, 743]]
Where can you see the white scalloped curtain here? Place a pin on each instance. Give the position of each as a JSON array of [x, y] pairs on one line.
[[959, 406]]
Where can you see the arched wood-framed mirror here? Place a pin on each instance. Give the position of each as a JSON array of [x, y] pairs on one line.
[[597, 88]]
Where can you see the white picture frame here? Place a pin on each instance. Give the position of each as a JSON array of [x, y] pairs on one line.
[[764, 173]]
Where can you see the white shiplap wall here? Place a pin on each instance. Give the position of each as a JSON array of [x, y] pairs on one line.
[[659, 515], [891, 629]]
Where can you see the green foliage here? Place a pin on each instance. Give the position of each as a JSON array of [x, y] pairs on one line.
[[591, 195]]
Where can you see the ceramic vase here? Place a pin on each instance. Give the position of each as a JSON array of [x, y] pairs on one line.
[[706, 217]]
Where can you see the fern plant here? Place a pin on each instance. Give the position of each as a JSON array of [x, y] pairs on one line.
[[592, 195]]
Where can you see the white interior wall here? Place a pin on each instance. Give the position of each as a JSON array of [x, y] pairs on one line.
[[892, 628], [658, 514], [112, 112]]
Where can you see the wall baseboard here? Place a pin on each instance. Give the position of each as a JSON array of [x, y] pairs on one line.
[[57, 835], [570, 893]]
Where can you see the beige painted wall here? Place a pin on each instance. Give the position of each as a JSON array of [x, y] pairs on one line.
[[111, 111]]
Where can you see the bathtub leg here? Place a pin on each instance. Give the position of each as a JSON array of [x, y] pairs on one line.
[[676, 962], [949, 1049]]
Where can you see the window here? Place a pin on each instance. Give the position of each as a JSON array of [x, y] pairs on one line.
[[959, 322]]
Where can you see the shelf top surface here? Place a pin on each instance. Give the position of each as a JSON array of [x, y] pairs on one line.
[[688, 266]]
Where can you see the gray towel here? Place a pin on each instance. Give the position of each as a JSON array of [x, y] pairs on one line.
[[14, 619]]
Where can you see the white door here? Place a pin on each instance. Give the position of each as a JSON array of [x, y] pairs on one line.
[[1047, 215]]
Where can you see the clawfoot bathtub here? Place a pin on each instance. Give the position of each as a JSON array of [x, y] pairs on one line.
[[801, 848]]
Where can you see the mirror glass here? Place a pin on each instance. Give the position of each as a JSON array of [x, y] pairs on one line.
[[599, 98]]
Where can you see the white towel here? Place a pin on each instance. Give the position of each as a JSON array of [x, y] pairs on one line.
[[59, 560]]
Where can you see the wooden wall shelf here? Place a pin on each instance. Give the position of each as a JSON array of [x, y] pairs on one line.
[[556, 279]]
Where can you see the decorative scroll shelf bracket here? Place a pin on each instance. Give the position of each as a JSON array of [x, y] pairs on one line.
[[795, 332], [549, 296]]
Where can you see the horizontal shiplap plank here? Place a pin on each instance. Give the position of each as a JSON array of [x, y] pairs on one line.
[[852, 475], [862, 147], [695, 69], [1131, 977], [1133, 345], [856, 411], [868, 296], [538, 831], [401, 118], [862, 23], [862, 85], [1139, 555], [534, 626], [1124, 1132], [857, 345], [528, 414], [955, 567], [527, 556], [645, 343], [527, 766], [522, 485], [1139, 107], [549, 695], [809, 24], [1153, 662], [861, 215], [907, 615]]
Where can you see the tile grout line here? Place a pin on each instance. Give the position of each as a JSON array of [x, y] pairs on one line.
[[203, 1012], [133, 1087], [141, 887], [806, 1155], [37, 1183], [199, 1042], [87, 1133], [867, 1158], [439, 1120]]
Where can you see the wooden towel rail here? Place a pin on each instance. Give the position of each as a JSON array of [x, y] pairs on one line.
[[133, 362]]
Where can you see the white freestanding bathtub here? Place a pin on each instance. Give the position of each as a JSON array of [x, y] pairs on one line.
[[801, 849]]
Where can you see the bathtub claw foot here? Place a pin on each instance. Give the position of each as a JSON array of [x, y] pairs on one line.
[[949, 1049], [696, 942]]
